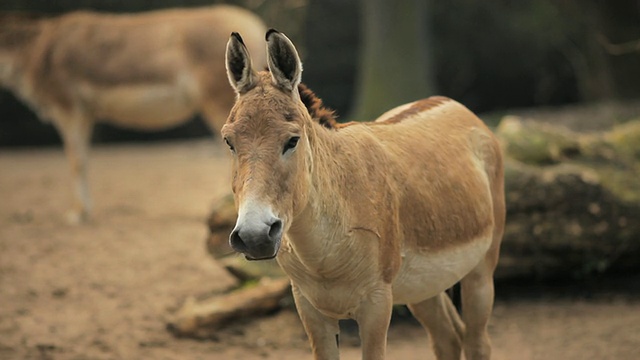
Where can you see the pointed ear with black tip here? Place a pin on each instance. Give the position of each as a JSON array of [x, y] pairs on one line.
[[283, 61], [238, 63]]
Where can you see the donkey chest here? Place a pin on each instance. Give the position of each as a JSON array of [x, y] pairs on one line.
[[336, 292], [336, 299]]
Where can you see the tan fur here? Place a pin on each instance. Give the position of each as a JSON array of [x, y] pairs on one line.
[[147, 71], [393, 211]]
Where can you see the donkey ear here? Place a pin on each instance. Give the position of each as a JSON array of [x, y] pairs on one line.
[[283, 61], [238, 64]]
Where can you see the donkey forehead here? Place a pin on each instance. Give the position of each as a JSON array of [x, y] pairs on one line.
[[262, 121], [266, 105]]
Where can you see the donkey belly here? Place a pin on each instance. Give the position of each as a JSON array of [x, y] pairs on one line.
[[425, 275], [150, 106]]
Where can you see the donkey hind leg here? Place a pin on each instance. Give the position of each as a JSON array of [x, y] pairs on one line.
[[322, 331], [440, 318], [477, 304], [76, 137], [215, 110]]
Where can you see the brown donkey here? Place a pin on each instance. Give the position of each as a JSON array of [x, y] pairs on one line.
[[146, 71], [363, 216]]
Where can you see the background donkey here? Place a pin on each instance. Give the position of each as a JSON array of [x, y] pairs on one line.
[[145, 71], [365, 215]]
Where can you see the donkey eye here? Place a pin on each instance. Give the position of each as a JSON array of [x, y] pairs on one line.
[[291, 144], [229, 144]]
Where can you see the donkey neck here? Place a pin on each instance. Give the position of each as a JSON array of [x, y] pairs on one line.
[[18, 32], [328, 224], [324, 198], [18, 39]]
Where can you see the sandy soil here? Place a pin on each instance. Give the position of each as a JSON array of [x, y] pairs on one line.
[[105, 290]]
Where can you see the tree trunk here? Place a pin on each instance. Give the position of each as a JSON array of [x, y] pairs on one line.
[[395, 65]]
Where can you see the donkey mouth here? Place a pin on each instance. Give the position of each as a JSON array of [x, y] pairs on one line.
[[250, 258], [261, 253], [256, 254]]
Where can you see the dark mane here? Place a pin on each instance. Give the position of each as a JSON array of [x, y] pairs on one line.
[[322, 115]]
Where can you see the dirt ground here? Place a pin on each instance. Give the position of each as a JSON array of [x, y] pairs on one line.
[[105, 290]]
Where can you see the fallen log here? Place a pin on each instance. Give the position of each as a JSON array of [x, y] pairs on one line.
[[573, 200], [197, 318]]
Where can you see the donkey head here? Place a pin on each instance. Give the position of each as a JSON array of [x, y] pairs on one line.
[[267, 134]]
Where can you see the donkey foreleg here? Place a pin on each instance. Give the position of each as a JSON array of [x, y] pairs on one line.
[[373, 317], [322, 331], [76, 137]]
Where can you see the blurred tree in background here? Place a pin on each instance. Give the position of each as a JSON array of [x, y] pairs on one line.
[[395, 64], [489, 55]]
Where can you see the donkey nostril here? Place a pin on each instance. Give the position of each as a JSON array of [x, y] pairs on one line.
[[236, 241], [275, 229]]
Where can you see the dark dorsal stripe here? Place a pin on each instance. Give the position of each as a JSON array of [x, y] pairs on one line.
[[320, 114], [418, 107]]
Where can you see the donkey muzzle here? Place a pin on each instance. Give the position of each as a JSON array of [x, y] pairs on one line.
[[257, 239]]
